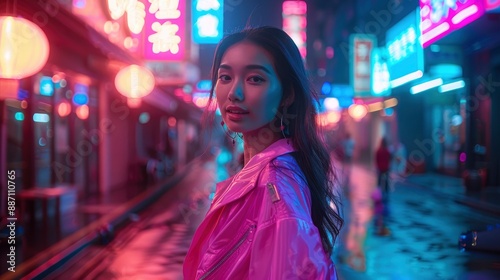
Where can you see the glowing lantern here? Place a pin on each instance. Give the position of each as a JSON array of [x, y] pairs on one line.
[[134, 82], [24, 48], [357, 111]]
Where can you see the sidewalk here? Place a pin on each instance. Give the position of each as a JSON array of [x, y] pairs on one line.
[[44, 246], [488, 199], [448, 187]]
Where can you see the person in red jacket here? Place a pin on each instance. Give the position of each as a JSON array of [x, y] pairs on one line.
[[382, 161], [380, 196]]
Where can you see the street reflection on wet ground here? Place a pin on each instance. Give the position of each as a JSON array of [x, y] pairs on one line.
[[422, 243]]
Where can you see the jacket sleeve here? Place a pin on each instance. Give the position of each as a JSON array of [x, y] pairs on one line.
[[289, 249]]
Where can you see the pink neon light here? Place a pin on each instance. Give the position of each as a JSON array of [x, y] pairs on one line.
[[295, 23], [294, 7], [170, 44], [463, 157], [465, 13], [438, 19], [492, 4]]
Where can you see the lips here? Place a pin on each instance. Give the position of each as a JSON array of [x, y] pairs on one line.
[[235, 113], [236, 110]]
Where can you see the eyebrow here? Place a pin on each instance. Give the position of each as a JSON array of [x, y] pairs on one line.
[[248, 67]]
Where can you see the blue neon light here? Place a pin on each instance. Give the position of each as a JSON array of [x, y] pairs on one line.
[[46, 86], [406, 54], [19, 116], [381, 85], [207, 21], [204, 85], [81, 96], [326, 88]]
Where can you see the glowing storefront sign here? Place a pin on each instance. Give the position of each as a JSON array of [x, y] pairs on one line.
[[295, 22], [381, 85], [164, 30], [438, 18], [406, 55], [136, 12], [361, 49], [207, 21]]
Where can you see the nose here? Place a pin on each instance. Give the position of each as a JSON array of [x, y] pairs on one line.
[[236, 92]]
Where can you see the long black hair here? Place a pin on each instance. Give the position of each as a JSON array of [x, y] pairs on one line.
[[300, 118]]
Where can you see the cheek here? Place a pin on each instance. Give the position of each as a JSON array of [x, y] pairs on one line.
[[219, 95]]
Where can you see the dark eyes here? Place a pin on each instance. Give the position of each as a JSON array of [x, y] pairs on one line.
[[256, 79], [252, 79], [224, 78]]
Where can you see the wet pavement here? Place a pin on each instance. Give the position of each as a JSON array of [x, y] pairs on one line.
[[424, 235], [425, 224]]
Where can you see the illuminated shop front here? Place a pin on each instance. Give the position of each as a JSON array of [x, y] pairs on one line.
[[460, 39]]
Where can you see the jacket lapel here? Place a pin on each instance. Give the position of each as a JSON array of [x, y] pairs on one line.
[[236, 187]]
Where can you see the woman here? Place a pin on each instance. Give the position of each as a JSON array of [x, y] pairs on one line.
[[274, 219]]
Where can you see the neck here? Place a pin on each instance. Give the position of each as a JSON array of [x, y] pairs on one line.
[[256, 141]]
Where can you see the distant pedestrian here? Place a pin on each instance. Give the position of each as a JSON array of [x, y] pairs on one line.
[[382, 162], [397, 168], [348, 145], [380, 195], [348, 152]]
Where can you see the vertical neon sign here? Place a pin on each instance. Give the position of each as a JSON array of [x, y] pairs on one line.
[[164, 37], [439, 18], [361, 50], [295, 22], [207, 21]]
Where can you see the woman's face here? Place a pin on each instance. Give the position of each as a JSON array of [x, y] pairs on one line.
[[248, 90]]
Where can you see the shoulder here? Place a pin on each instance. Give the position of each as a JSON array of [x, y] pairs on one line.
[[285, 188]]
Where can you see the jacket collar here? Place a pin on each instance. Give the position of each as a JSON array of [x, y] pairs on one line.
[[245, 180]]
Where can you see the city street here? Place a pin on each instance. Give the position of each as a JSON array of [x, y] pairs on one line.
[[422, 244], [424, 236]]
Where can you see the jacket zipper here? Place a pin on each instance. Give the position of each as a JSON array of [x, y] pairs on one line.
[[219, 263]]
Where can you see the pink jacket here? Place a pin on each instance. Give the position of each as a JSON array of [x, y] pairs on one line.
[[259, 225]]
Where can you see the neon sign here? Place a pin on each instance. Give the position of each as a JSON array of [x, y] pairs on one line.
[[362, 46], [439, 18], [295, 22], [164, 30], [135, 13], [207, 21], [381, 85], [406, 55]]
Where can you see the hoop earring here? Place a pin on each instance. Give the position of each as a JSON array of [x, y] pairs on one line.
[[283, 128], [227, 133]]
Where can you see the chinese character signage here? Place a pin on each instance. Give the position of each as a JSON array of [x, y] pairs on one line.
[[361, 49], [381, 85], [164, 30], [438, 18], [207, 21], [295, 22], [406, 55]]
